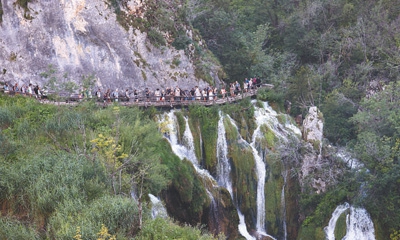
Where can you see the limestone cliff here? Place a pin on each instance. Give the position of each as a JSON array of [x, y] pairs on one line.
[[81, 38]]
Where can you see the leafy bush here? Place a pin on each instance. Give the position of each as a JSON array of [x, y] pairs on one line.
[[181, 42], [11, 229], [119, 214], [160, 228], [270, 96]]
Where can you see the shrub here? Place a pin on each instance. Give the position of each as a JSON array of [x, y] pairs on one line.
[[160, 228], [156, 38], [270, 96], [11, 229], [181, 42], [117, 213]]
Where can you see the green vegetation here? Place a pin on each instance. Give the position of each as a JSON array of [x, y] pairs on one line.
[[156, 38], [341, 56], [243, 171], [166, 229], [206, 120], [243, 114], [67, 169], [341, 227]]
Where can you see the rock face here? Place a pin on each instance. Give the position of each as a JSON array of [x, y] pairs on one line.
[[313, 163], [82, 38], [313, 126]]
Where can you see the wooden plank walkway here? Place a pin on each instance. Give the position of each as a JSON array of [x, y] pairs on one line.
[[169, 102]]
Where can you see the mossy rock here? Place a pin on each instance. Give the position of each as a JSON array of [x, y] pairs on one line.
[[243, 171], [206, 119], [273, 191], [341, 227], [181, 125], [270, 140]]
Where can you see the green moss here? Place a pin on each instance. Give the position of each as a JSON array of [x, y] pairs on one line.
[[243, 171], [340, 228], [194, 126], [270, 139], [206, 118], [243, 114], [273, 191], [181, 124], [189, 186]]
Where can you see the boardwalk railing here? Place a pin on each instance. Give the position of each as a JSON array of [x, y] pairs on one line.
[[167, 101]]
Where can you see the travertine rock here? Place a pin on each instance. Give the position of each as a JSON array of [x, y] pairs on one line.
[[82, 38]]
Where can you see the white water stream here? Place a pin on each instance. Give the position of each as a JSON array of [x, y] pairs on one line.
[[157, 209], [224, 172], [358, 224], [260, 169], [186, 148]]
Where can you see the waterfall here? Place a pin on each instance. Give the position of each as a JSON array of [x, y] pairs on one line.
[[157, 209], [261, 172], [242, 227], [223, 167], [260, 169], [214, 211], [186, 148], [350, 161], [224, 171], [358, 223], [330, 229]]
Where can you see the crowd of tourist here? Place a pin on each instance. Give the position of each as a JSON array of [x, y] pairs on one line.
[[168, 94], [178, 94], [28, 90]]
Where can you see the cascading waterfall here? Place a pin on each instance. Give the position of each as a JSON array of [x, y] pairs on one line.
[[261, 173], [213, 210], [330, 229], [224, 171], [223, 167], [186, 149], [260, 168], [263, 116], [157, 209], [350, 161], [358, 223]]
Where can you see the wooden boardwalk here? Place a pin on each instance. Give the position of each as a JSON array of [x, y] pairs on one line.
[[169, 102]]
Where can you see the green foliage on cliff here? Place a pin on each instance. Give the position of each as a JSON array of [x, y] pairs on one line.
[[378, 147], [206, 120], [341, 56], [241, 156]]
